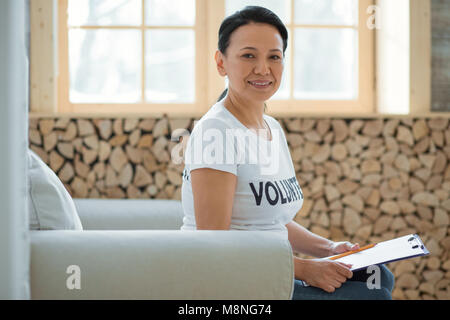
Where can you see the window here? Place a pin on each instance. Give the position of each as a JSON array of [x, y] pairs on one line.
[[329, 61], [130, 55], [157, 56], [114, 57]]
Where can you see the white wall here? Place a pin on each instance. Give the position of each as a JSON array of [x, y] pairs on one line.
[[393, 57], [14, 241]]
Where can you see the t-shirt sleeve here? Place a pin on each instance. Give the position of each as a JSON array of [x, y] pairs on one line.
[[211, 145]]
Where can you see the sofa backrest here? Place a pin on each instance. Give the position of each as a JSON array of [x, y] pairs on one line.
[[129, 214]]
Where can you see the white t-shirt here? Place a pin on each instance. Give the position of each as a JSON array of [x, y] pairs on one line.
[[267, 195]]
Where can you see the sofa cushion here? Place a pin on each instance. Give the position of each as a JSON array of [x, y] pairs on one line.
[[50, 205]]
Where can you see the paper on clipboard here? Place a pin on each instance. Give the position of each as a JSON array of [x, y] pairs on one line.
[[405, 247]]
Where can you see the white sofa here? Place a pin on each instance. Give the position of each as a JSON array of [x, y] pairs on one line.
[[133, 249]]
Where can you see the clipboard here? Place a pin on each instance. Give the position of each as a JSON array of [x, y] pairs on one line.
[[405, 247]]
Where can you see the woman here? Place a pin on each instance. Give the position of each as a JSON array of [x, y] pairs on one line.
[[220, 193]]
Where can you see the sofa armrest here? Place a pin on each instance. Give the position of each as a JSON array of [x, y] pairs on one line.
[[160, 264], [129, 214]]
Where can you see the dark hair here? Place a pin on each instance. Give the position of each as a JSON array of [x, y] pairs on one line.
[[243, 17]]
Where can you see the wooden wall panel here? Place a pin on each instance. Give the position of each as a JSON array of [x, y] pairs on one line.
[[440, 50]]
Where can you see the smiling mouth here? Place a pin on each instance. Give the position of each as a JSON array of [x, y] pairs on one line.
[[260, 84]]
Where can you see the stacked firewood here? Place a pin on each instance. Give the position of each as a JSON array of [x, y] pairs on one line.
[[364, 180], [372, 180], [104, 158]]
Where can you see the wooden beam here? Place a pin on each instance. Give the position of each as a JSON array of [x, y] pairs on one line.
[[420, 56], [43, 89]]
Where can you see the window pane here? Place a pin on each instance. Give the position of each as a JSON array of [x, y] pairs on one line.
[[170, 12], [105, 12], [340, 12], [170, 66], [326, 64], [280, 7], [105, 66]]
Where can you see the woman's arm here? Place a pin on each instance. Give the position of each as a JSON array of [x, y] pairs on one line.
[[213, 192], [304, 241]]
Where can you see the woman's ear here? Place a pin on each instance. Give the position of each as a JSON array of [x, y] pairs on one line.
[[219, 63]]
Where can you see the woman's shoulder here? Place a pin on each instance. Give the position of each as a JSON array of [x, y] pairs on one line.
[[217, 118], [276, 125], [273, 122]]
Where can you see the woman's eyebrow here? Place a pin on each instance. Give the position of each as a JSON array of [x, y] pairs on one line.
[[253, 48]]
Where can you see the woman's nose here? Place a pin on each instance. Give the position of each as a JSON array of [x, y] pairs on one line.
[[262, 67]]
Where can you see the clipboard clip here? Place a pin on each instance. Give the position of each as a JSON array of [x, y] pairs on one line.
[[415, 243]]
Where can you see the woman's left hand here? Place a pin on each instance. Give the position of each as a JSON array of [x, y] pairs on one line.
[[343, 246]]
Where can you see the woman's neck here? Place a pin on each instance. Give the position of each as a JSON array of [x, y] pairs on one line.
[[249, 113]]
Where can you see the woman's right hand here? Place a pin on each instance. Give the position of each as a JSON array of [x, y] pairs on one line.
[[325, 274]]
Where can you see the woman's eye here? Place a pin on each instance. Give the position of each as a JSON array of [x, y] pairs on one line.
[[276, 57], [248, 55]]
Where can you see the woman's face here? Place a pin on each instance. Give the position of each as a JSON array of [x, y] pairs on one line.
[[254, 61]]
